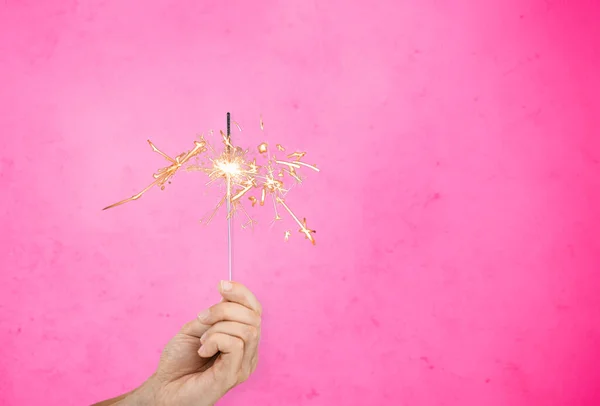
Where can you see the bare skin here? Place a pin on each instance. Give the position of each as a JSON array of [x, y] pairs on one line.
[[209, 356]]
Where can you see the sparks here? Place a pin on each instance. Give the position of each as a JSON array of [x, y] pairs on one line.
[[242, 178], [164, 175]]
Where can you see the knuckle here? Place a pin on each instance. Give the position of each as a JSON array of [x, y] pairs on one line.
[[245, 374], [187, 327], [216, 312], [238, 344], [227, 311], [251, 333], [232, 380]]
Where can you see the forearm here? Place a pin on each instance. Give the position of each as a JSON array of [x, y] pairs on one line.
[[144, 395], [113, 401]]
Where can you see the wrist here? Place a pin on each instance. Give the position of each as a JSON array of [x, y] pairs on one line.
[[146, 395]]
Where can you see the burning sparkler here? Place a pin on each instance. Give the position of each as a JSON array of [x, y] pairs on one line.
[[241, 176]]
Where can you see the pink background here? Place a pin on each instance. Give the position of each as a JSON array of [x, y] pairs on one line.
[[457, 211]]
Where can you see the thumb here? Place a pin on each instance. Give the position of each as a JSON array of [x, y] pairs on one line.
[[195, 328]]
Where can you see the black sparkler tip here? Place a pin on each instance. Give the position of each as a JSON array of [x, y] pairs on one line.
[[228, 124]]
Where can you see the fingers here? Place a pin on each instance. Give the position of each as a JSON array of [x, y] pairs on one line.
[[234, 293], [244, 332], [250, 336], [220, 342], [238, 293], [229, 334], [229, 364], [195, 328], [228, 311]]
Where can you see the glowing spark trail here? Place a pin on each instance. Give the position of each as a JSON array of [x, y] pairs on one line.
[[164, 175]]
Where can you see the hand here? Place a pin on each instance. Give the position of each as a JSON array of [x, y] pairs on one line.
[[212, 353], [209, 356]]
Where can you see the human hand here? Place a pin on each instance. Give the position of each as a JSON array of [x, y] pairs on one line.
[[209, 356]]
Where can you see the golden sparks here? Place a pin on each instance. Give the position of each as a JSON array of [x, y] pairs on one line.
[[164, 175], [263, 148], [242, 177]]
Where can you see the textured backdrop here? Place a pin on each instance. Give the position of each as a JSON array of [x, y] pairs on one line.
[[457, 210]]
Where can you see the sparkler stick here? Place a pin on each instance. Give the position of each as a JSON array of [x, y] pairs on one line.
[[229, 213]]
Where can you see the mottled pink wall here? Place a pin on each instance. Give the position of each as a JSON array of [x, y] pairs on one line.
[[458, 257]]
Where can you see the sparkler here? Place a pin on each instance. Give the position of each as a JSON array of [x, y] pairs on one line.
[[229, 216], [242, 177]]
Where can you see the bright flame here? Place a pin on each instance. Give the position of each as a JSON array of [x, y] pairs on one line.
[[228, 168]]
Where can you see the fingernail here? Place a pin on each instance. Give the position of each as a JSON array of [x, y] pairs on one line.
[[202, 337], [204, 315], [226, 286]]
